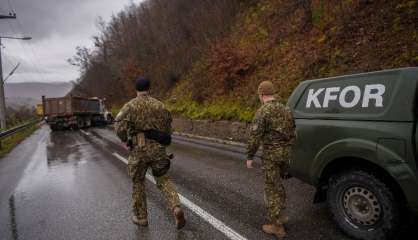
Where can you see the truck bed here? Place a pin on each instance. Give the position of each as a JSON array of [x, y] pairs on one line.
[[66, 106]]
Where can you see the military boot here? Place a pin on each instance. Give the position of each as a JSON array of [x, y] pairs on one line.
[[140, 222], [275, 229], [179, 216], [283, 217]]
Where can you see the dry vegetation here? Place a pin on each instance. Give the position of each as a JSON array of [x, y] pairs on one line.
[[7, 144], [15, 117], [22, 114], [207, 57], [158, 38]]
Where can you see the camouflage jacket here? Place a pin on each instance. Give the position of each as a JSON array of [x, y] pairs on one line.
[[140, 114], [273, 127]]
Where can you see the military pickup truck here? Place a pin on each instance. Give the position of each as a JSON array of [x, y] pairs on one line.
[[357, 143]]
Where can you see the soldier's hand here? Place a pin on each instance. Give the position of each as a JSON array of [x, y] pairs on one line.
[[125, 147], [130, 144], [250, 163]]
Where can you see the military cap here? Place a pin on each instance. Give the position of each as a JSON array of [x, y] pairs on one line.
[[142, 84], [266, 88]]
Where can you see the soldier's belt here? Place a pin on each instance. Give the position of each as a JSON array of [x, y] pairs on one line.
[[158, 136]]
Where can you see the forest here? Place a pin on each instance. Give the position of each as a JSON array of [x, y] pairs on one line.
[[205, 58], [158, 38]]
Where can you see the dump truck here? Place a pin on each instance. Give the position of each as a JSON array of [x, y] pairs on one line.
[[72, 112], [357, 143]]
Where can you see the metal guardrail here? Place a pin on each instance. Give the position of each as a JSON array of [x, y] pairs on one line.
[[17, 129]]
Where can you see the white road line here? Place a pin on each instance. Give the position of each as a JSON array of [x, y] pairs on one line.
[[84, 132], [118, 156], [229, 232]]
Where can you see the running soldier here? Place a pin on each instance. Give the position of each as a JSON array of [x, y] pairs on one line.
[[144, 124]]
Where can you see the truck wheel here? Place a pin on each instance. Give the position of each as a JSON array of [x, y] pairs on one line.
[[87, 123], [109, 119], [80, 123], [363, 206], [53, 127]]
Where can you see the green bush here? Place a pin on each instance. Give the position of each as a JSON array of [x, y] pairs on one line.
[[115, 110], [223, 109]]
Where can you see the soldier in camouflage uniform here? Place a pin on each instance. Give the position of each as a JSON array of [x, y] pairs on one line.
[[274, 128], [138, 115]]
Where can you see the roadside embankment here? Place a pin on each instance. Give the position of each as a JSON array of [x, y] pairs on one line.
[[224, 130], [8, 143]]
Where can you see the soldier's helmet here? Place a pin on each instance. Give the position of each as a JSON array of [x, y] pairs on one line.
[[142, 84], [266, 88]]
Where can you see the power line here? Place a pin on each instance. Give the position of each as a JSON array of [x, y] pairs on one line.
[[8, 61], [20, 44], [34, 59], [3, 123], [11, 72], [29, 60], [10, 5], [11, 14], [12, 60], [32, 50]]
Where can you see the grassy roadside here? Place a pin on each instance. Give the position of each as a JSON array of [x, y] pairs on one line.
[[222, 109], [7, 144], [115, 110]]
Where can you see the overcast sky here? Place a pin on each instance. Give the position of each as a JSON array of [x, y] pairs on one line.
[[57, 27]]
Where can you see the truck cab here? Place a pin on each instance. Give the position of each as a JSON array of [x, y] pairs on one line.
[[105, 116], [357, 144]]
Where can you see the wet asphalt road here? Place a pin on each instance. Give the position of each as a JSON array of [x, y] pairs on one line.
[[70, 185]]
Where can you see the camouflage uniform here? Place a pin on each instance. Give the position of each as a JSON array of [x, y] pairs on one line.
[[274, 128], [140, 114]]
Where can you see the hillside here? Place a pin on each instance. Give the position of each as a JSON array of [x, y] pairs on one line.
[[287, 42], [30, 93], [205, 70]]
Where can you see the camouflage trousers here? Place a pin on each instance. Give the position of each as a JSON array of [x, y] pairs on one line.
[[137, 171], [275, 162]]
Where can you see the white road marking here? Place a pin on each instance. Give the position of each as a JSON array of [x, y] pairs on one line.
[[84, 132], [229, 232], [118, 156]]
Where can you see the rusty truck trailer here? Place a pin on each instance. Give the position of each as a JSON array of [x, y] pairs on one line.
[[74, 112]]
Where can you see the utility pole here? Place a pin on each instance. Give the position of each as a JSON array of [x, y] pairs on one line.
[[2, 96]]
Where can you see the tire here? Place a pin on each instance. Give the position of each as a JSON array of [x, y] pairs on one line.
[[56, 127], [110, 119], [363, 206], [80, 123]]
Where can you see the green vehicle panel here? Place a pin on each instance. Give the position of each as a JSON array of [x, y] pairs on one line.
[[355, 121]]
